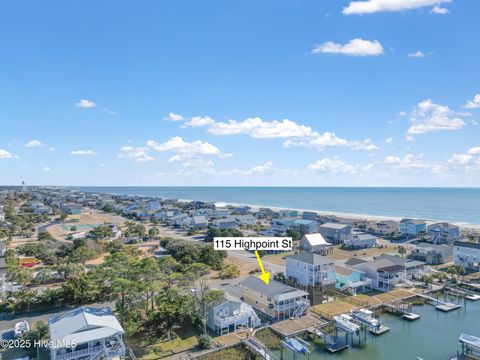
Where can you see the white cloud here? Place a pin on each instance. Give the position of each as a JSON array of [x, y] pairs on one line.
[[460, 159], [177, 144], [373, 6], [46, 168], [409, 161], [34, 143], [187, 150], [389, 140], [429, 117], [82, 152], [473, 104], [474, 150], [173, 117], [4, 154], [138, 154], [333, 166], [85, 104], [51, 148], [355, 47], [257, 128], [440, 10], [366, 144], [416, 54], [198, 121], [259, 169]]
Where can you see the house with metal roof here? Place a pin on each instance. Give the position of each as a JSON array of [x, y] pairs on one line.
[[276, 300], [315, 243], [86, 333]]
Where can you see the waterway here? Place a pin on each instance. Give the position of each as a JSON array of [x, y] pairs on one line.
[[432, 337]]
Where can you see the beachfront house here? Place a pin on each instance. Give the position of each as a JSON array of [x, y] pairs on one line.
[[467, 255], [351, 281], [95, 332], [276, 300], [309, 269], [361, 241], [443, 233], [309, 215], [232, 316], [412, 227], [286, 213], [385, 227], [315, 243], [432, 254], [335, 233]]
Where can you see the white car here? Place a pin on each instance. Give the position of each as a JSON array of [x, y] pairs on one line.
[[21, 328]]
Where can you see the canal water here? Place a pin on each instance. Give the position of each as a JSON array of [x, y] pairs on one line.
[[432, 337]]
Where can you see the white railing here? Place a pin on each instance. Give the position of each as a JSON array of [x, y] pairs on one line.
[[234, 319], [80, 353], [93, 352]]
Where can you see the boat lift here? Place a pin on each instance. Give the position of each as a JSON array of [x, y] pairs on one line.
[[297, 346]]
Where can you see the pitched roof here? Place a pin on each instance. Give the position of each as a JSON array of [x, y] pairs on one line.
[[331, 225], [274, 288], [354, 261], [310, 258], [82, 325], [315, 239]]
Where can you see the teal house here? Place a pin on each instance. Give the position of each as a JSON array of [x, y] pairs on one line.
[[350, 280]]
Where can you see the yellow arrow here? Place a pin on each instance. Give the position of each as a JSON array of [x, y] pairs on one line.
[[265, 275]]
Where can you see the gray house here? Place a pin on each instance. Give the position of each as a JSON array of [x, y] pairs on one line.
[[335, 233]]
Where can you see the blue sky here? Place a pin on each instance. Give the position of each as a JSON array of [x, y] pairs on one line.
[[324, 92]]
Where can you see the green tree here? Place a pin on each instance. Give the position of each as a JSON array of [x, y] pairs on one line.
[[153, 232], [229, 271], [402, 251], [82, 255]]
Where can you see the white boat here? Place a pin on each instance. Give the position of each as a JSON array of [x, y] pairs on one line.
[[21, 328], [470, 341], [346, 325]]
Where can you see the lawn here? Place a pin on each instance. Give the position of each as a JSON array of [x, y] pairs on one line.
[[278, 259], [152, 348], [332, 308]]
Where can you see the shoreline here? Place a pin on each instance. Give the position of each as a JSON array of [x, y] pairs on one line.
[[341, 215]]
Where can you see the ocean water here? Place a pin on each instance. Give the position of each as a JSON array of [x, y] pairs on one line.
[[461, 205]]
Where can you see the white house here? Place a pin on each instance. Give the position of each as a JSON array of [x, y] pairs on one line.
[[315, 243], [467, 255], [86, 333], [2, 213], [232, 316], [310, 269]]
